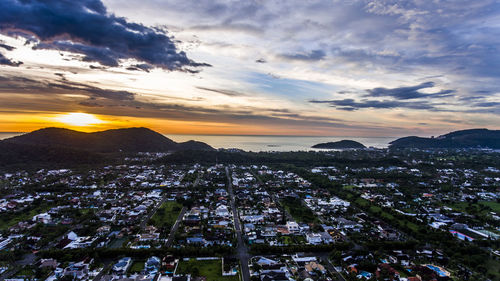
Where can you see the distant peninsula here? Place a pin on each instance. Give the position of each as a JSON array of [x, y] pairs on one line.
[[473, 138], [343, 144]]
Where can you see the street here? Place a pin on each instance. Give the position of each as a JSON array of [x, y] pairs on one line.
[[171, 235], [242, 250]]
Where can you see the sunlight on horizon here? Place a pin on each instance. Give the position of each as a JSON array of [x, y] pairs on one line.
[[78, 119]]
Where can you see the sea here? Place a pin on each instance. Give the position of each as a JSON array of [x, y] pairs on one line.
[[266, 143]]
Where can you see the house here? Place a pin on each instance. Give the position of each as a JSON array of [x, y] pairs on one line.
[[103, 230], [4, 243], [264, 261], [220, 192], [44, 218], [195, 240], [269, 275], [152, 265], [49, 263], [222, 211], [122, 265], [148, 236], [79, 270], [72, 236], [312, 267], [81, 242], [326, 237], [313, 238], [292, 226]]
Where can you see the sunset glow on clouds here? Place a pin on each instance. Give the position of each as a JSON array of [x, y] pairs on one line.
[[367, 68]]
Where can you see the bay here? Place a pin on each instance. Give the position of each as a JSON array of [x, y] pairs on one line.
[[265, 143]]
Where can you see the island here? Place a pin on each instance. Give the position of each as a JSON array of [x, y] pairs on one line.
[[343, 144]]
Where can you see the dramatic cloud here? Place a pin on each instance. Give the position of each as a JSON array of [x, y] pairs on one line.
[[229, 93], [3, 59], [85, 27], [314, 55], [94, 92], [21, 85], [6, 47], [6, 61], [351, 104], [51, 97], [487, 104], [434, 60], [407, 93]]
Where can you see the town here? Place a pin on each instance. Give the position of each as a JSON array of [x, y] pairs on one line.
[[371, 214]]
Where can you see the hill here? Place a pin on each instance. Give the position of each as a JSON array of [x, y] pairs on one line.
[[473, 138], [343, 144], [128, 140], [57, 145], [27, 155]]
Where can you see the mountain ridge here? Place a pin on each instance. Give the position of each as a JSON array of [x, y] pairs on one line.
[[471, 138], [135, 139]]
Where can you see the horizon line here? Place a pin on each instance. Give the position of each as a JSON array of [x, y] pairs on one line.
[[243, 135]]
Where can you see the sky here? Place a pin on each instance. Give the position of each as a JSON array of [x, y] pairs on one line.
[[263, 67]]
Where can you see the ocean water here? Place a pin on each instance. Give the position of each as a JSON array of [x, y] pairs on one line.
[[6, 135], [265, 143], [277, 143]]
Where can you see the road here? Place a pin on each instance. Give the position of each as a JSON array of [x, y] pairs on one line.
[[242, 251], [151, 214], [329, 266], [105, 269], [171, 235]]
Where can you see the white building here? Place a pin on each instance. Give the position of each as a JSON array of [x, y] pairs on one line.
[[292, 226], [222, 211], [314, 238], [44, 218]]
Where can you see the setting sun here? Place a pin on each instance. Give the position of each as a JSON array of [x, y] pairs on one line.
[[78, 119]]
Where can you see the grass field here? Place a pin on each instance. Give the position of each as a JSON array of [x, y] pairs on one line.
[[167, 214], [349, 187], [117, 243], [7, 220], [211, 269], [480, 208], [495, 206], [137, 267], [493, 267], [385, 215], [298, 211]]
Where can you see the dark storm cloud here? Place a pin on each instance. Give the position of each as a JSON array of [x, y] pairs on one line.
[[85, 27], [94, 92], [6, 61], [487, 104], [351, 104], [314, 55], [140, 67], [407, 93], [27, 86], [6, 47], [229, 93], [228, 26]]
